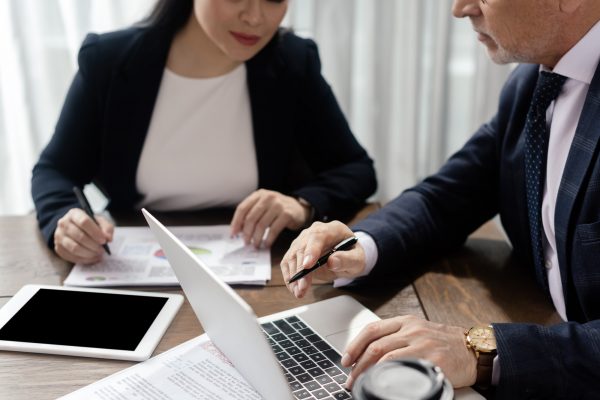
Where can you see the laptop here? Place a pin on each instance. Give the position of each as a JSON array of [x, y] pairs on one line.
[[293, 354]]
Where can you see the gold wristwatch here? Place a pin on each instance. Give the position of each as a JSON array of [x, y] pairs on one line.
[[482, 341]]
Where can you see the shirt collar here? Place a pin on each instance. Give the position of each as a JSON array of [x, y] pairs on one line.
[[581, 61]]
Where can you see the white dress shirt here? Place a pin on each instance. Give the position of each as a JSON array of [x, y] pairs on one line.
[[199, 151]]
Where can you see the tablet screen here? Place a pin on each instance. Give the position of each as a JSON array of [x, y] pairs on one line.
[[87, 319]]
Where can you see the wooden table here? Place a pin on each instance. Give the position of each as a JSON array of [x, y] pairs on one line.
[[465, 288]]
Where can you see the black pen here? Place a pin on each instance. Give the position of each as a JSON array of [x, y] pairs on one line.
[[85, 205], [342, 246]]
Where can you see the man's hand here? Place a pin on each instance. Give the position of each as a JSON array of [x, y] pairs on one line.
[[79, 239], [310, 245], [267, 209], [409, 336]]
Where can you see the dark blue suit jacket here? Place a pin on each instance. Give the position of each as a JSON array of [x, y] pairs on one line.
[[303, 143], [486, 177]]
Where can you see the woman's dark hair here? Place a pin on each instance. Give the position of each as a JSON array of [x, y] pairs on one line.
[[172, 14]]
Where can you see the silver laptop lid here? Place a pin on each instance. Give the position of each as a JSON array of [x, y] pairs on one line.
[[225, 316]]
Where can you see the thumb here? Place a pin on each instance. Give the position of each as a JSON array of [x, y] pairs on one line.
[[107, 227]]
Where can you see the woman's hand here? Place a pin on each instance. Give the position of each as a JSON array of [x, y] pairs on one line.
[[266, 209], [79, 239], [311, 244]]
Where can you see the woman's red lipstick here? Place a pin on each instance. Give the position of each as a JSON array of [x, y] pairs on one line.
[[246, 40]]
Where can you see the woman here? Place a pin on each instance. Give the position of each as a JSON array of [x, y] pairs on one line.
[[199, 106]]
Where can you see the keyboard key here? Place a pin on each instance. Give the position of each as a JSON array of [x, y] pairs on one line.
[[279, 337], [286, 343], [295, 337], [297, 370], [315, 371], [308, 364], [341, 379], [289, 363], [318, 357], [320, 393], [293, 350], [299, 325], [325, 364], [282, 356], [333, 371], [321, 345], [299, 357], [302, 343], [333, 356], [270, 328], [341, 396], [306, 331], [312, 385], [309, 350], [332, 387], [295, 385], [324, 379], [292, 319], [276, 349], [313, 338], [289, 378], [284, 326], [302, 394], [305, 378], [271, 341]]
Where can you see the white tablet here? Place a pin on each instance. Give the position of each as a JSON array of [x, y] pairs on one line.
[[102, 323]]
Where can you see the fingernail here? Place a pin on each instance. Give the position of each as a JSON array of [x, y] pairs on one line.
[[346, 360], [296, 291], [349, 381], [305, 261]]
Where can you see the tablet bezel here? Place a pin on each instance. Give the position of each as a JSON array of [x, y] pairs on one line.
[[143, 351]]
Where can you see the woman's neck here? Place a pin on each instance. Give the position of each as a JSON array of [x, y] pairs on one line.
[[194, 55]]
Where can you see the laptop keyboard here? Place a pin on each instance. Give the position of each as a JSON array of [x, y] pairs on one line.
[[312, 367]]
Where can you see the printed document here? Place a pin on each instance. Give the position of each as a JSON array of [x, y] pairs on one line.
[[193, 370], [138, 260]]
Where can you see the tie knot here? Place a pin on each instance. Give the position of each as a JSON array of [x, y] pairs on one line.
[[547, 89]]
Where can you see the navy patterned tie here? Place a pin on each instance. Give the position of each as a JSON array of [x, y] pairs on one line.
[[536, 146]]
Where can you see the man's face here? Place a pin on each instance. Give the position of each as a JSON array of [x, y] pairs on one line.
[[514, 30]]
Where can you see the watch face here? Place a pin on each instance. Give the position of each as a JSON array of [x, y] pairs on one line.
[[482, 338]]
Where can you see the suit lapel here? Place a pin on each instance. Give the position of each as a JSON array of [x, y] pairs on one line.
[[577, 169], [131, 102]]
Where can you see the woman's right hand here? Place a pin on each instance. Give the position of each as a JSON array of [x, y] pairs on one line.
[[79, 239]]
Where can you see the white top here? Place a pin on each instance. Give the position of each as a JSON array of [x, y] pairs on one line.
[[578, 65], [199, 151]]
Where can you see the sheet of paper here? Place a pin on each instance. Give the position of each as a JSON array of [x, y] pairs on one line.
[[138, 260], [194, 370]]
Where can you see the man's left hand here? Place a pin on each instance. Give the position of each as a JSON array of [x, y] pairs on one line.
[[410, 336]]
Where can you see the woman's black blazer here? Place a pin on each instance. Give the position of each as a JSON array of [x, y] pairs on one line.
[[304, 146]]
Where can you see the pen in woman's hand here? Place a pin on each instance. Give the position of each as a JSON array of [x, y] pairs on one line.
[[85, 205], [344, 245]]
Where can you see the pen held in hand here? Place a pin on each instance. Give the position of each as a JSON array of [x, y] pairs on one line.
[[344, 245], [85, 205]]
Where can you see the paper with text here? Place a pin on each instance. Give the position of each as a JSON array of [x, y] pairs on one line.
[[195, 370], [138, 260]]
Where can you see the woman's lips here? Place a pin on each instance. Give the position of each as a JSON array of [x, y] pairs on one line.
[[246, 40]]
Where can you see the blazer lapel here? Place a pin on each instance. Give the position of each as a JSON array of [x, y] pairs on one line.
[[131, 102], [577, 168]]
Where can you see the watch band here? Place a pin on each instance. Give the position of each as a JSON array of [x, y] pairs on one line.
[[485, 366]]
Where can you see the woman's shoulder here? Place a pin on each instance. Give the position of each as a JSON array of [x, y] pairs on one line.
[[291, 52]]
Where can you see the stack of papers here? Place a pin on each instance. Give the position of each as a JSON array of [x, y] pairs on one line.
[[138, 260]]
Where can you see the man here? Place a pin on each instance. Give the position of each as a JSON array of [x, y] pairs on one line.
[[549, 111]]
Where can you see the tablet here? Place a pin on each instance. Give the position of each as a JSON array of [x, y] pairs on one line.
[[101, 323]]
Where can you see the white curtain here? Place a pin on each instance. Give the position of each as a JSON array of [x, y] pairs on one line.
[[413, 81]]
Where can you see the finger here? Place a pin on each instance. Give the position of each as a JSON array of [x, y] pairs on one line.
[[70, 250], [274, 230], [252, 217], [377, 351], [369, 334], [88, 225], [237, 222], [262, 225], [303, 285], [346, 264], [75, 233], [107, 227]]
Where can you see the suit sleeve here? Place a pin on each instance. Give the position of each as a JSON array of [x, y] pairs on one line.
[[72, 155], [344, 173]]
